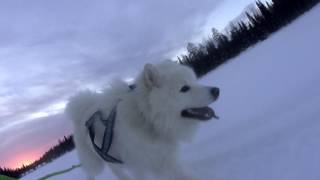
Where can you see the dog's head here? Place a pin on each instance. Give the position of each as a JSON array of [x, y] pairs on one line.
[[174, 97]]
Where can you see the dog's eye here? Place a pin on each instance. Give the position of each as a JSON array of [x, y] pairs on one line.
[[185, 88]]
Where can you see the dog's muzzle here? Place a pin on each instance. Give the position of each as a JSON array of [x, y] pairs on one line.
[[202, 113]]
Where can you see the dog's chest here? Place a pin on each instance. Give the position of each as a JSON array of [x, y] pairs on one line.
[[135, 144]]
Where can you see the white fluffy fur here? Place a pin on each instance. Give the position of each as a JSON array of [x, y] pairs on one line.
[[148, 126]]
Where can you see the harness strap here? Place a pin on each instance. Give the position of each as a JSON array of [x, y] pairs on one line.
[[108, 132], [107, 136]]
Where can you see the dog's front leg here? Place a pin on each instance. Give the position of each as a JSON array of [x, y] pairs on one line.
[[118, 171], [175, 171], [139, 175], [172, 170]]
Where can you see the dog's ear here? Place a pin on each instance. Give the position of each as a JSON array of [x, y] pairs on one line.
[[151, 76]]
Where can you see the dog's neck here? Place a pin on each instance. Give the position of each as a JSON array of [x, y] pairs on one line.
[[142, 124]]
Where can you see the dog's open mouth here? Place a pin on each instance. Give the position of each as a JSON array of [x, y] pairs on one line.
[[202, 113]]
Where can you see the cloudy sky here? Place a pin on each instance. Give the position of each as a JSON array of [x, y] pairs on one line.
[[51, 49]]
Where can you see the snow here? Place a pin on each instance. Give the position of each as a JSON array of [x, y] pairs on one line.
[[65, 162], [269, 108]]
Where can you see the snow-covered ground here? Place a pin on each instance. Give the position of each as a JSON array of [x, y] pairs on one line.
[[269, 109]]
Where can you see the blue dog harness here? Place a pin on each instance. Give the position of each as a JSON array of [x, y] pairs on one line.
[[108, 125]]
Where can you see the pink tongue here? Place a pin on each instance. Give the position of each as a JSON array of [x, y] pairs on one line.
[[203, 113]]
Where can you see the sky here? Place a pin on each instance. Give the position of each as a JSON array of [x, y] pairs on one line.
[[269, 114], [49, 50]]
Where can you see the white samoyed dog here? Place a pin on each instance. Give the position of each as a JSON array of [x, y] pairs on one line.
[[151, 120]]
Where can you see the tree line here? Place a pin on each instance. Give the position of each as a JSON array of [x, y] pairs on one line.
[[64, 145], [205, 57], [260, 24]]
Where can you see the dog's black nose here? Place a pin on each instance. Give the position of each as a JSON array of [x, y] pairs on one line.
[[215, 92]]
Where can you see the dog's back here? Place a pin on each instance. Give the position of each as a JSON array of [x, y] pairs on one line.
[[79, 109]]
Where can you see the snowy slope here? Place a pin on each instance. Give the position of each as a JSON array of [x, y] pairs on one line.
[[269, 109], [63, 163]]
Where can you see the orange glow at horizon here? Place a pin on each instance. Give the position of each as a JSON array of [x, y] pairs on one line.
[[23, 159], [23, 155]]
